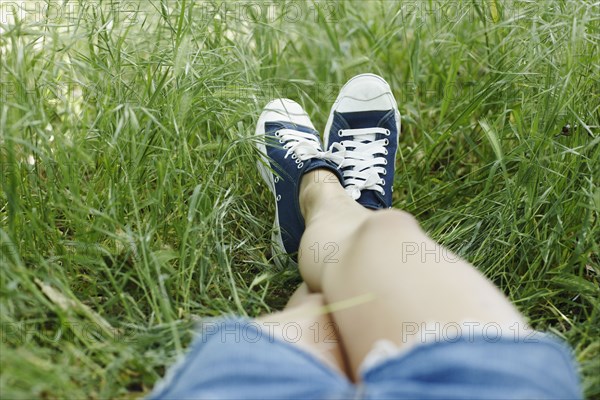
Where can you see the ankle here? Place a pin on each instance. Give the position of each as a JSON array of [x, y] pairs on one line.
[[316, 186]]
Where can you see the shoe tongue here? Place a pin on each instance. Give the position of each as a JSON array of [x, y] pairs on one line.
[[364, 119], [274, 125]]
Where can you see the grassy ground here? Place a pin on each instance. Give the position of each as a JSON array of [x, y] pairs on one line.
[[130, 205]]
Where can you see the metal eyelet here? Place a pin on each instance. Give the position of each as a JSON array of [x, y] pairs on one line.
[[385, 153], [387, 132], [281, 141], [277, 133], [384, 162], [278, 197], [297, 161], [385, 172], [294, 156], [300, 165], [276, 179], [340, 133], [382, 182], [386, 142]]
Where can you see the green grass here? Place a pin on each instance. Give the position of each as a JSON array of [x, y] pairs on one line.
[[130, 204]]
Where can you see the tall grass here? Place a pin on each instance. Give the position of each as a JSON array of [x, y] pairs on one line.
[[130, 205]]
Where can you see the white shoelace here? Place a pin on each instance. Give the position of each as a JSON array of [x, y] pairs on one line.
[[303, 146], [365, 157]]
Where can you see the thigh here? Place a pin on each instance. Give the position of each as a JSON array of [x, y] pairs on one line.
[[477, 367], [238, 358], [307, 323]]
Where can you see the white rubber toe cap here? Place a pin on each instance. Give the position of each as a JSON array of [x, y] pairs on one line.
[[286, 110], [365, 92]]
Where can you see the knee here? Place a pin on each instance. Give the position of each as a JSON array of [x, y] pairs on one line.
[[382, 229], [391, 223]]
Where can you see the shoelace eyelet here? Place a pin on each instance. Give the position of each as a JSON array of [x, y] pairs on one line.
[[387, 132], [300, 165], [278, 197], [384, 162], [276, 179], [297, 161], [385, 153], [294, 156], [277, 134], [386, 142], [340, 133]]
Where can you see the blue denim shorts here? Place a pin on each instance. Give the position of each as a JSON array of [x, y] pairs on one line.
[[232, 358]]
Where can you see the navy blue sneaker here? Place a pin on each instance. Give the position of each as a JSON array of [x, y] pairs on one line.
[[365, 121], [290, 147]]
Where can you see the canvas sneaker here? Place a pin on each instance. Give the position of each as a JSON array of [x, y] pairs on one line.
[[290, 147], [365, 121]]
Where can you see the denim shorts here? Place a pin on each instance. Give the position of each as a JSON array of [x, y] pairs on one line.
[[233, 358]]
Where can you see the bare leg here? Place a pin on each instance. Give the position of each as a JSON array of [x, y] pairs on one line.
[[306, 322], [384, 277]]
